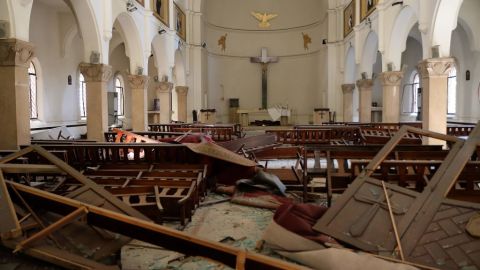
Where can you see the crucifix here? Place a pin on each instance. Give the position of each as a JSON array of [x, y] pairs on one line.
[[264, 60]]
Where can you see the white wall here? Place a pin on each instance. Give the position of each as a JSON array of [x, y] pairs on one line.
[[299, 78], [410, 57], [58, 101], [121, 65], [465, 47]]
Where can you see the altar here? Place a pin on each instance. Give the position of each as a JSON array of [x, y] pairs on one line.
[[274, 114]]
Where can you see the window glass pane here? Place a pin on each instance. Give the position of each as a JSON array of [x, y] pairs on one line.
[[32, 95], [120, 96], [82, 96], [452, 92]]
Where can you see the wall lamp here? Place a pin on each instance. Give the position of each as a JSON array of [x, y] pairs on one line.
[[131, 6]]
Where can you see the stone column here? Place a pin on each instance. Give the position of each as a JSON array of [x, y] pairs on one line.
[[96, 78], [164, 94], [434, 81], [138, 84], [347, 90], [15, 56], [365, 88], [182, 92], [391, 96]]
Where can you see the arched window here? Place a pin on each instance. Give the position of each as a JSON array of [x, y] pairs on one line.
[[120, 95], [410, 94], [32, 94], [82, 91], [452, 92]]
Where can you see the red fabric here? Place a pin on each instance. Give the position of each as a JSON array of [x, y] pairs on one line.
[[300, 218]]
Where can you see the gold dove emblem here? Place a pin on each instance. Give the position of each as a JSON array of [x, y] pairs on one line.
[[263, 18]]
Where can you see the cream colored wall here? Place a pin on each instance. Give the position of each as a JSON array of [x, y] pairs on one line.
[[58, 101], [235, 14], [299, 78]]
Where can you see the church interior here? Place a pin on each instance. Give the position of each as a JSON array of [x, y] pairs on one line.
[[226, 134]]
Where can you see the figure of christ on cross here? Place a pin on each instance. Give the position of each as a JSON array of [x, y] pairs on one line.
[[264, 60]]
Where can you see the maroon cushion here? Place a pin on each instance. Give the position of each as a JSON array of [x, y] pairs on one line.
[[300, 218]]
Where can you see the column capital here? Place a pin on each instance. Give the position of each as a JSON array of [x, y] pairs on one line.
[[348, 88], [164, 87], [435, 67], [391, 78], [365, 83], [181, 90], [137, 81], [15, 52], [96, 72]]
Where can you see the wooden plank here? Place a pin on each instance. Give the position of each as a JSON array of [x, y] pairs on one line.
[[29, 168], [61, 257], [51, 228], [9, 226]]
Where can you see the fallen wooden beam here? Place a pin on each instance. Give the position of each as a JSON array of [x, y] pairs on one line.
[[51, 228], [29, 168], [151, 232]]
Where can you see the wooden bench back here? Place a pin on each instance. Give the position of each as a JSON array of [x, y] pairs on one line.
[[81, 155]]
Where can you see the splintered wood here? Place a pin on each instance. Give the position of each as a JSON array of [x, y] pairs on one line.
[[431, 228]]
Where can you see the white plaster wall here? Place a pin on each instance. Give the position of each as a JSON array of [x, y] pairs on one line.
[[410, 58], [120, 65], [291, 82], [47, 30], [300, 78]]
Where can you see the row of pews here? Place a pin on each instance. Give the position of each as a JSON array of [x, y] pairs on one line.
[[356, 133], [341, 152], [162, 181], [218, 132]]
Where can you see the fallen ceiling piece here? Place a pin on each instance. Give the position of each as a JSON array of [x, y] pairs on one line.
[[432, 228], [215, 151]]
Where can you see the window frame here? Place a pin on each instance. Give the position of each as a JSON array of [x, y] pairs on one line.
[[120, 90], [82, 96]]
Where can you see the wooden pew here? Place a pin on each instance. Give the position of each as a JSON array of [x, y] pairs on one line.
[[382, 136], [164, 199], [292, 176], [219, 134], [410, 169], [250, 144], [337, 171], [158, 136]]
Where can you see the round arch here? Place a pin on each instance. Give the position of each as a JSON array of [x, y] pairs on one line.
[[162, 58], [369, 55], [179, 69], [444, 22], [130, 34], [404, 22], [350, 68], [89, 29]]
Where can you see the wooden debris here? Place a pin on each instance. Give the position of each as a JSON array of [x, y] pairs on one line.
[[150, 232], [431, 228]]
